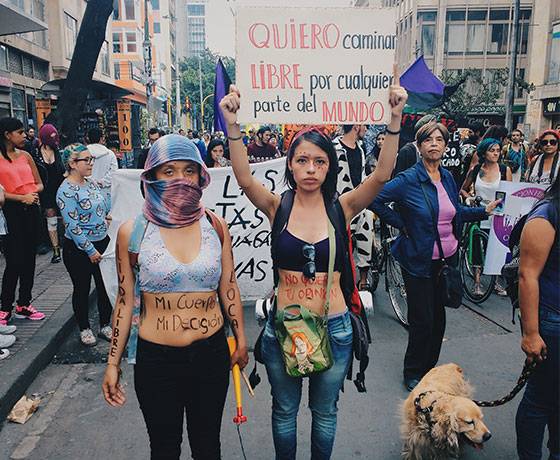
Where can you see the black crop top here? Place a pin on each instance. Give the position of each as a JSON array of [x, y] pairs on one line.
[[290, 254]]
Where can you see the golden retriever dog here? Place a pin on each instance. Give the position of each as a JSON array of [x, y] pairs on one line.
[[439, 416]]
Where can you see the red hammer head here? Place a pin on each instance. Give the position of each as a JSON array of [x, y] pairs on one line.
[[239, 418]]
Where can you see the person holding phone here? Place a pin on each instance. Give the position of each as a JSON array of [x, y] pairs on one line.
[[484, 181]]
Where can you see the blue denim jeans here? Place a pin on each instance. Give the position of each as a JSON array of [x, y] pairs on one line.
[[540, 406], [324, 389]]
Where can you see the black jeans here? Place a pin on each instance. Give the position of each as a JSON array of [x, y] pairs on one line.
[[20, 246], [81, 270], [426, 318], [171, 380]]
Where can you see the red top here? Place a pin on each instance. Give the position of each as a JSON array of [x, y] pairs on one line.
[[17, 177]]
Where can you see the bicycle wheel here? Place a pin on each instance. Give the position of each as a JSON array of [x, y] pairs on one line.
[[373, 271], [394, 285], [471, 267]]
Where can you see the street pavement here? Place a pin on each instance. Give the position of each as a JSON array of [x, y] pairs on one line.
[[74, 422]]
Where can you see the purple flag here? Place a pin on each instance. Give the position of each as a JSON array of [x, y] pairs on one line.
[[221, 88]]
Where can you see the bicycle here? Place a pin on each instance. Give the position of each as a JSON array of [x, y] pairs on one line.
[[476, 285], [383, 262]]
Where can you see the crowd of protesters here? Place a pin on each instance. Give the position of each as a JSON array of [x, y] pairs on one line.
[[44, 187]]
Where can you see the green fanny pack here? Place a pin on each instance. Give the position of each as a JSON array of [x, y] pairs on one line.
[[303, 335]]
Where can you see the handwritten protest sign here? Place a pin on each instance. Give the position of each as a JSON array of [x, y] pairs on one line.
[[315, 65], [249, 228]]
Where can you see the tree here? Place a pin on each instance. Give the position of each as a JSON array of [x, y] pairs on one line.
[[88, 44], [478, 90], [190, 82]]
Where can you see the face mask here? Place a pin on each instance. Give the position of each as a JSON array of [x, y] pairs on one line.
[[172, 203]]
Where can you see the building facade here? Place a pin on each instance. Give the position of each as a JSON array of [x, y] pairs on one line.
[[543, 105]]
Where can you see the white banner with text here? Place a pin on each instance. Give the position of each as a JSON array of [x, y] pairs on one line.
[[249, 228]]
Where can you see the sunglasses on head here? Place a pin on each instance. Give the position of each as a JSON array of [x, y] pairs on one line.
[[552, 142], [309, 269]]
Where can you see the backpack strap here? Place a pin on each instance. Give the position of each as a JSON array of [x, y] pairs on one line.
[[503, 171], [280, 221], [215, 221], [138, 231]]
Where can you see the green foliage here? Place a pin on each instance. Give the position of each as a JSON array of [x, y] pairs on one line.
[[190, 82], [480, 92]]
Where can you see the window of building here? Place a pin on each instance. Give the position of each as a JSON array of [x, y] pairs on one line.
[[498, 38], [3, 57], [27, 65], [131, 42], [499, 15], [155, 5], [18, 105], [40, 70], [477, 15], [18, 3], [195, 10], [157, 28], [104, 58], [38, 9], [71, 33], [554, 61], [458, 15], [455, 38], [426, 16], [129, 12], [117, 42], [14, 62], [427, 30], [476, 38]]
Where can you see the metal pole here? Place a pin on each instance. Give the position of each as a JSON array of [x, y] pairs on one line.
[[510, 92], [200, 86], [177, 88], [147, 59]]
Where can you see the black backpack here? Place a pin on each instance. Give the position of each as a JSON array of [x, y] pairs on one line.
[[360, 327], [510, 271]]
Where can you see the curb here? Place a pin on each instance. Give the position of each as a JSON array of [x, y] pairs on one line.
[[35, 356]]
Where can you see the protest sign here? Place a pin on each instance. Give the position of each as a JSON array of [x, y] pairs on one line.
[[249, 228], [520, 198], [315, 65]]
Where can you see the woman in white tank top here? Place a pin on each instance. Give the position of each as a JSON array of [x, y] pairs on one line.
[[484, 181]]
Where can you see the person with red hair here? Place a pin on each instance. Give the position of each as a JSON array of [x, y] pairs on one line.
[[544, 166]]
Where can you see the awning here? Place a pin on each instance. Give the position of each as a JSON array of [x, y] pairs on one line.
[[15, 21], [96, 87]]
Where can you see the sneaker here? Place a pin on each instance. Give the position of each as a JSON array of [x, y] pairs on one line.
[[4, 354], [500, 291], [56, 256], [5, 317], [106, 333], [7, 341], [7, 329], [87, 338], [29, 312]]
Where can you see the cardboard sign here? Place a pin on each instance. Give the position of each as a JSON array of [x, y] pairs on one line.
[[125, 132], [43, 108], [249, 228], [315, 65]]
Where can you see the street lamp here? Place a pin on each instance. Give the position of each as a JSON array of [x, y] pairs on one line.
[[202, 109]]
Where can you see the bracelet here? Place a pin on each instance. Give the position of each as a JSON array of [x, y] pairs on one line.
[[238, 138], [394, 133]]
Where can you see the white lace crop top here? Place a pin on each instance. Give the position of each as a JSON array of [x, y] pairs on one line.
[[160, 272]]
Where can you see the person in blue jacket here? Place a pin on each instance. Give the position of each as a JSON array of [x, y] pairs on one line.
[[416, 248]]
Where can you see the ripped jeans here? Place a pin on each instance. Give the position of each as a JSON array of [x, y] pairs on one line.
[[324, 389]]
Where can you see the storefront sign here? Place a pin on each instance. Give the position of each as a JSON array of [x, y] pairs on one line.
[[551, 107], [43, 107], [125, 132], [249, 227], [315, 65]]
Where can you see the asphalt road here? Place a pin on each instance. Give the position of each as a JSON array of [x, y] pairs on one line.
[[73, 421]]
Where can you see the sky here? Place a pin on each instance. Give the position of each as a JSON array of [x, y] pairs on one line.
[[220, 21]]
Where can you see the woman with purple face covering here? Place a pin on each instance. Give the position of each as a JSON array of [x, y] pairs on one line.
[[49, 157]]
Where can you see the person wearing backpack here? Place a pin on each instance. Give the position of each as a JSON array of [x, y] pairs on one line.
[[484, 181], [539, 302], [308, 258], [175, 269]]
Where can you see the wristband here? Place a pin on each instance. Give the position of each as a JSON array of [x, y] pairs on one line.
[[238, 138], [394, 133]]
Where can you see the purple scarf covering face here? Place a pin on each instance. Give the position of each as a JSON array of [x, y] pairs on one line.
[[173, 203]]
